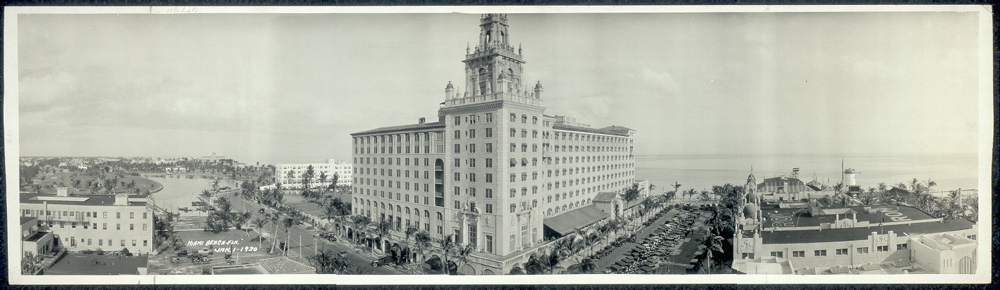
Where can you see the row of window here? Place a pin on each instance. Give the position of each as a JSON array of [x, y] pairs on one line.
[[400, 196], [104, 226], [100, 242], [398, 161], [77, 214], [838, 252]]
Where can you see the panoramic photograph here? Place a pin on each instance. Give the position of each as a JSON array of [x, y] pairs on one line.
[[453, 144]]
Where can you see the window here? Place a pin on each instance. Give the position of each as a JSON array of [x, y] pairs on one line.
[[900, 246], [513, 117], [118, 227], [458, 120], [472, 234], [458, 204], [489, 193], [862, 250], [513, 147], [119, 215], [489, 161], [472, 148], [103, 226], [534, 120], [489, 118], [777, 254], [489, 178], [882, 248], [513, 207], [489, 208], [472, 133], [841, 252], [458, 148], [524, 119], [458, 162], [513, 192], [819, 253], [131, 227], [747, 255], [489, 244], [513, 133], [798, 254], [458, 134]]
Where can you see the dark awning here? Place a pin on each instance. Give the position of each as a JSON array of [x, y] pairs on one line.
[[575, 219]]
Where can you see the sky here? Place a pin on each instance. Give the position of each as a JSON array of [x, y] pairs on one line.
[[276, 88]]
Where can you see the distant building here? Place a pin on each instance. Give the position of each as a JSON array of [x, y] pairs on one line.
[[91, 222], [331, 167]]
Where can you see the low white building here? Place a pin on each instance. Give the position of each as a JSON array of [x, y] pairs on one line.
[[291, 175]]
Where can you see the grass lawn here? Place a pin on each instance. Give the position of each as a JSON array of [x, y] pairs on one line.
[[69, 179], [81, 264]]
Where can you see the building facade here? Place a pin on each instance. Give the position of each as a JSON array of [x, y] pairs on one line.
[[92, 222], [493, 166], [291, 175], [812, 237]]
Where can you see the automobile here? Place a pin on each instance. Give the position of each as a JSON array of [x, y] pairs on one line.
[[386, 260], [182, 253], [205, 251]]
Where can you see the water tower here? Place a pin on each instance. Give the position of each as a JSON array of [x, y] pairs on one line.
[[849, 177]]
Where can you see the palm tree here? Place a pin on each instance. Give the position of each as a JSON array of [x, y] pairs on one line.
[[327, 262], [712, 245], [322, 181], [677, 186], [383, 228], [330, 211], [447, 246], [260, 222], [410, 231], [288, 222], [463, 255], [360, 225], [422, 241], [274, 220], [587, 266]]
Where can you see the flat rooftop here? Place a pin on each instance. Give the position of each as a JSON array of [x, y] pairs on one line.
[[853, 234], [77, 199], [800, 217], [83, 264], [35, 237]]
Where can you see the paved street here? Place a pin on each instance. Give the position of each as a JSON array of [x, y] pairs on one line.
[[307, 240]]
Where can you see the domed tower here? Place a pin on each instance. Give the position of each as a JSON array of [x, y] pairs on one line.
[[449, 91], [749, 205], [538, 90]]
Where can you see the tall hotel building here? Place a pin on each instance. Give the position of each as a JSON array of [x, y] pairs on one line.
[[493, 166]]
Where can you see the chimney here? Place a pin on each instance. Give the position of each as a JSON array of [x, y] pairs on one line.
[[423, 120], [121, 199]]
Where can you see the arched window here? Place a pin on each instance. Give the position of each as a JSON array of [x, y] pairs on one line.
[[483, 77]]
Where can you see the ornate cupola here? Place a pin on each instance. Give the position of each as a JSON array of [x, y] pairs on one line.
[[493, 68]]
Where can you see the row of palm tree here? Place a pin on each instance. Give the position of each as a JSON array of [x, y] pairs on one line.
[[917, 194]]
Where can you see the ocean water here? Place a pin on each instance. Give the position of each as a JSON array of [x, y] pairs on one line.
[[702, 171]]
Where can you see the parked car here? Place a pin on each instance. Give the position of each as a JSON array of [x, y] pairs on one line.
[[205, 251], [182, 253], [386, 260]]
